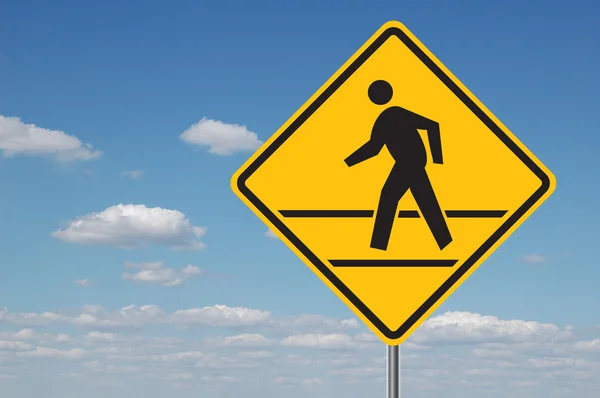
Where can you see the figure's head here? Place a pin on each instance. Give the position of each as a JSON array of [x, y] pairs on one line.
[[380, 92]]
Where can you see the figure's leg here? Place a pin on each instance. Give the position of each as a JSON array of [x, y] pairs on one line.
[[430, 209], [394, 188]]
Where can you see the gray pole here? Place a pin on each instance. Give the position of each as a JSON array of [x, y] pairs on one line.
[[393, 371]]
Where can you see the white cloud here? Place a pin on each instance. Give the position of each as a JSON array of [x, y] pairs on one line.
[[126, 316], [241, 340], [23, 334], [220, 379], [62, 338], [96, 336], [180, 376], [256, 354], [97, 366], [133, 316], [92, 364], [324, 341], [313, 322], [590, 346], [83, 282], [14, 345], [31, 318], [133, 174], [179, 356], [134, 226], [271, 234], [157, 273], [93, 316], [546, 361], [214, 361], [296, 381], [359, 371], [18, 138], [221, 138], [43, 352], [220, 315], [455, 326], [533, 258], [312, 381], [491, 353]]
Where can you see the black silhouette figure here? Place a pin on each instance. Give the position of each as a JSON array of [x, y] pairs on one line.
[[396, 128]]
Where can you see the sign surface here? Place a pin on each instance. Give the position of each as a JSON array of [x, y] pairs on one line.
[[393, 183]]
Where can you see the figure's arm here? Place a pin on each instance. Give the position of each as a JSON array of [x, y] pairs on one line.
[[433, 133], [368, 150]]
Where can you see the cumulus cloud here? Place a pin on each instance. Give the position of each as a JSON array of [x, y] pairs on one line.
[[44, 352], [533, 258], [220, 379], [133, 174], [32, 318], [19, 138], [132, 316], [83, 282], [241, 340], [213, 361], [333, 341], [179, 356], [536, 365], [23, 337], [93, 316], [314, 323], [157, 273], [97, 366], [134, 226], [198, 359], [492, 353], [256, 354], [589, 345], [14, 345], [220, 315], [325, 341], [23, 334], [550, 362], [96, 336], [221, 138], [456, 326], [271, 234], [180, 376]]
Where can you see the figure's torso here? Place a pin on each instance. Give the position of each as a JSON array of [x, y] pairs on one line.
[[398, 131]]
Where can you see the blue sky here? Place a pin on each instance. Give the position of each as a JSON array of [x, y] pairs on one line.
[[130, 78]]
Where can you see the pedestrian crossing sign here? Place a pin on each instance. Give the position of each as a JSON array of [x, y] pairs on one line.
[[393, 183]]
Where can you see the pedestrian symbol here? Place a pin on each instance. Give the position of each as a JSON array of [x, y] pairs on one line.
[[393, 183], [397, 129]]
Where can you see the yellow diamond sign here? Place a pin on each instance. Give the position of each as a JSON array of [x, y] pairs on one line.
[[393, 183]]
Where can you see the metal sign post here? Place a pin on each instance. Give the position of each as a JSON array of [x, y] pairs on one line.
[[393, 371]]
